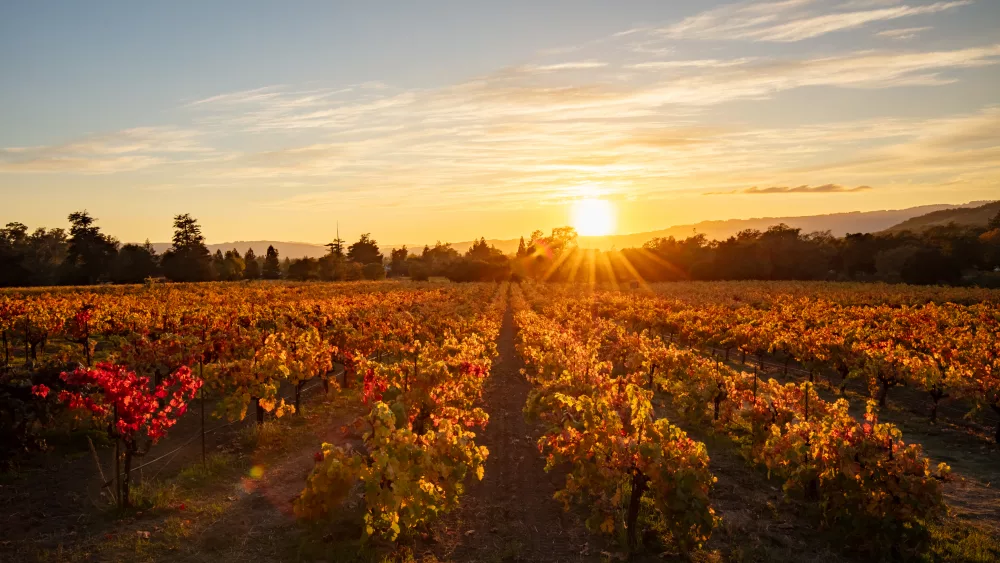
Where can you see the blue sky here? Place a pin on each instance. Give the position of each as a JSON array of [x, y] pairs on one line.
[[451, 120]]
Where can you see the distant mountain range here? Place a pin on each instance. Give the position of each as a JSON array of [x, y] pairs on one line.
[[839, 224]]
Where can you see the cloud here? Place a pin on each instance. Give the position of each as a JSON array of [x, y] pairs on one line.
[[793, 20], [696, 63], [120, 151], [903, 33], [516, 136], [966, 146], [578, 65], [243, 96], [824, 189], [513, 94]]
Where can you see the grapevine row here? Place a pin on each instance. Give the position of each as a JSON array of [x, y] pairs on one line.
[[865, 480], [948, 351], [603, 426], [419, 353]]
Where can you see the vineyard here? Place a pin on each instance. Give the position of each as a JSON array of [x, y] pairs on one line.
[[499, 421]]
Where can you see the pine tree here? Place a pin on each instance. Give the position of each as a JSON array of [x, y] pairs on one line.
[[337, 246], [188, 259], [272, 266], [521, 249], [251, 269], [90, 254]]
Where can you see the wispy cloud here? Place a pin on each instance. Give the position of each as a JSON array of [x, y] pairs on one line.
[[514, 94], [823, 189], [695, 63], [121, 151], [903, 33], [243, 96], [793, 20], [576, 65]]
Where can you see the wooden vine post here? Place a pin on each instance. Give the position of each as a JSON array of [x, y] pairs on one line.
[[201, 397]]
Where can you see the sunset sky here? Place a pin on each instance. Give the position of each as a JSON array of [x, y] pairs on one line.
[[424, 121]]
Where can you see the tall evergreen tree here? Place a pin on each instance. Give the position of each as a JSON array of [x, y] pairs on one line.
[[188, 259], [522, 250], [272, 266], [251, 268], [90, 254], [336, 247]]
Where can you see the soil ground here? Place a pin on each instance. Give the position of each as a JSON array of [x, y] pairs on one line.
[[510, 515]]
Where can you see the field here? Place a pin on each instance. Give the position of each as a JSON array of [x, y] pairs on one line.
[[371, 421]]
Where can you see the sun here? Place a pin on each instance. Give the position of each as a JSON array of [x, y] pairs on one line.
[[593, 217]]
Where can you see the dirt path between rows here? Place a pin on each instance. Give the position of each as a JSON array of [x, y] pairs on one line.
[[510, 515]]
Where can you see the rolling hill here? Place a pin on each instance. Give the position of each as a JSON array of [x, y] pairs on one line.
[[970, 217]]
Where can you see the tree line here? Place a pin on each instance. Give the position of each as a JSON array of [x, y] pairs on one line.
[[948, 254], [84, 255]]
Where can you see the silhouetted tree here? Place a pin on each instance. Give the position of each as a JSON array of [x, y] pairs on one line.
[[436, 260], [522, 250], [188, 259], [365, 251], [336, 248], [856, 254], [480, 250], [330, 268], [45, 254], [931, 266], [304, 269], [34, 259], [218, 264], [135, 263], [229, 266], [398, 261], [90, 254], [272, 266], [13, 247], [251, 267]]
